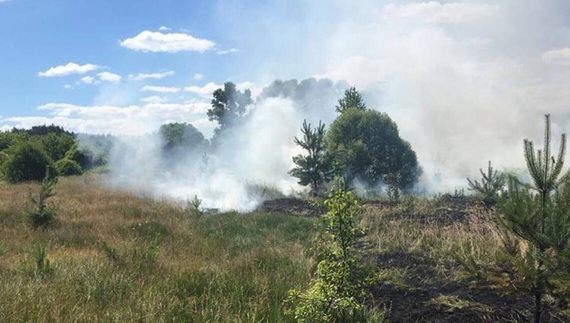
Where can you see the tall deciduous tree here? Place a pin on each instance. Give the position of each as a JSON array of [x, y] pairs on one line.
[[314, 168], [351, 100], [228, 105], [367, 145]]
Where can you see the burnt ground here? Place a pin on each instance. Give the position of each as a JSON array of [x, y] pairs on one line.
[[423, 296]]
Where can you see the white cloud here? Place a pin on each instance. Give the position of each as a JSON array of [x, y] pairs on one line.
[[70, 68], [160, 89], [68, 86], [128, 120], [157, 76], [198, 76], [164, 28], [154, 99], [149, 41], [227, 51], [204, 91], [87, 80], [557, 56], [435, 12], [109, 77]]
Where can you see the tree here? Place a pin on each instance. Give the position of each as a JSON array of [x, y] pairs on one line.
[[27, 161], [539, 214], [180, 137], [336, 291], [366, 144], [68, 167], [228, 105], [314, 168], [491, 184], [351, 100]]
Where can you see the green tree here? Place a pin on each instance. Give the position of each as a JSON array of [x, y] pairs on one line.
[[314, 168], [539, 214], [336, 291], [351, 100], [38, 212], [492, 183], [229, 105], [366, 144], [56, 146], [27, 161], [179, 137]]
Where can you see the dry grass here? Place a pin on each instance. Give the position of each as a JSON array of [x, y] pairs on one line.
[[218, 268]]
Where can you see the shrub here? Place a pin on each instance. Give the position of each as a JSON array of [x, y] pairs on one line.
[[27, 161], [492, 183], [38, 212], [336, 293], [68, 167]]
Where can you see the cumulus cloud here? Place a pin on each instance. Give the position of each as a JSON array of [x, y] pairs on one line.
[[154, 99], [127, 120], [70, 68], [198, 76], [204, 91], [160, 89], [436, 12], [68, 86], [87, 80], [149, 41], [156, 76], [557, 56], [109, 77], [164, 28], [227, 51]]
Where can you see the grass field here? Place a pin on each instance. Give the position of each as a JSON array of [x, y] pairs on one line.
[[114, 257]]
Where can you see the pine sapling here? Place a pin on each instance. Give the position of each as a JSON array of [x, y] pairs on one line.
[[492, 183], [38, 212]]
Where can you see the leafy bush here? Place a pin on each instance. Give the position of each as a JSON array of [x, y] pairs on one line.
[[336, 293], [492, 183], [27, 161], [68, 167], [38, 212]]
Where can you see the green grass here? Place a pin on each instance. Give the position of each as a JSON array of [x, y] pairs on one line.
[[159, 265]]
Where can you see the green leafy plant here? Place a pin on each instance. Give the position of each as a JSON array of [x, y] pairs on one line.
[[68, 167], [193, 207], [539, 215], [38, 212], [314, 168], [336, 291], [37, 262], [492, 183], [111, 252]]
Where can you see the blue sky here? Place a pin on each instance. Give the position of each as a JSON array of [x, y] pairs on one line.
[[108, 66]]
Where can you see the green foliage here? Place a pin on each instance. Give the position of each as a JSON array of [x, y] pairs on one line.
[[56, 146], [111, 252], [539, 214], [38, 212], [351, 100], [367, 145], [193, 207], [182, 137], [3, 249], [228, 105], [313, 168], [336, 292], [27, 161], [68, 167], [492, 183], [38, 263]]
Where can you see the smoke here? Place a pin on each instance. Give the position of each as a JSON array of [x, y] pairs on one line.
[[253, 155]]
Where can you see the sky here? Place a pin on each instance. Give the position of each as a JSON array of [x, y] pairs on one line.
[[465, 80]]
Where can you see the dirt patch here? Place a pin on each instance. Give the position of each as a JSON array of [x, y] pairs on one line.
[[292, 206]]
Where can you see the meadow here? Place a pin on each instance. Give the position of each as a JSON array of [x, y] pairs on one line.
[[114, 257]]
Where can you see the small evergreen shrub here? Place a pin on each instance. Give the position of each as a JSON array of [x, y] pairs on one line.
[[491, 185], [68, 167], [38, 212]]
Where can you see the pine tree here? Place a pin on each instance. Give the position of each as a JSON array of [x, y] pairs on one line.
[[314, 168], [539, 213], [351, 99], [491, 184]]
